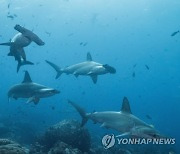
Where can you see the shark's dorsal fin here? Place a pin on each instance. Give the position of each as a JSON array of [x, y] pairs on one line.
[[125, 106], [89, 57], [27, 78]]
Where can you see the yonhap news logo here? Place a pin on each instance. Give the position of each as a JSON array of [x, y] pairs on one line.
[[109, 141]]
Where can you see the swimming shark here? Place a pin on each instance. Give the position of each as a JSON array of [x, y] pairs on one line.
[[86, 68], [123, 121], [32, 91], [19, 41]]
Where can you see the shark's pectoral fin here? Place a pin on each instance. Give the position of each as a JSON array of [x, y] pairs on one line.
[[36, 100], [7, 43], [75, 74], [15, 97], [152, 126], [94, 78], [104, 125], [90, 73], [30, 100], [124, 134], [33, 99]]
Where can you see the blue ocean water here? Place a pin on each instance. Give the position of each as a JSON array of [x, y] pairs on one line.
[[132, 36]]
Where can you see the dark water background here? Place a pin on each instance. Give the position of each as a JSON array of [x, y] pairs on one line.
[[122, 33]]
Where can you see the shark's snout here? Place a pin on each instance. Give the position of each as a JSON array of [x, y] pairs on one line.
[[52, 91], [55, 91], [46, 92], [110, 69]]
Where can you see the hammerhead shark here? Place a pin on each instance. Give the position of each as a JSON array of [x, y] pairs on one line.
[[123, 121], [32, 91], [86, 68], [18, 42]]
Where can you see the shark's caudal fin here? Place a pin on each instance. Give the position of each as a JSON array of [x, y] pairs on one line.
[[80, 111], [125, 106], [57, 68], [89, 57], [7, 43], [23, 63]]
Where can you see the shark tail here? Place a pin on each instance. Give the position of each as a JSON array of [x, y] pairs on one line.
[[81, 112], [57, 68], [7, 43], [23, 63]]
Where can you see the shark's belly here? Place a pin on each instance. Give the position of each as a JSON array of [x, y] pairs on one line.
[[117, 121], [22, 91], [77, 70], [20, 40], [85, 68], [22, 94]]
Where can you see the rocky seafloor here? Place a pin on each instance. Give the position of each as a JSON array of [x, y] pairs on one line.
[[68, 137]]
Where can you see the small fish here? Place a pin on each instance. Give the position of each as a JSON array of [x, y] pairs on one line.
[[83, 93], [52, 107], [10, 16], [71, 34], [173, 34], [134, 65], [85, 44], [9, 5], [147, 67], [148, 117], [48, 33], [133, 75]]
